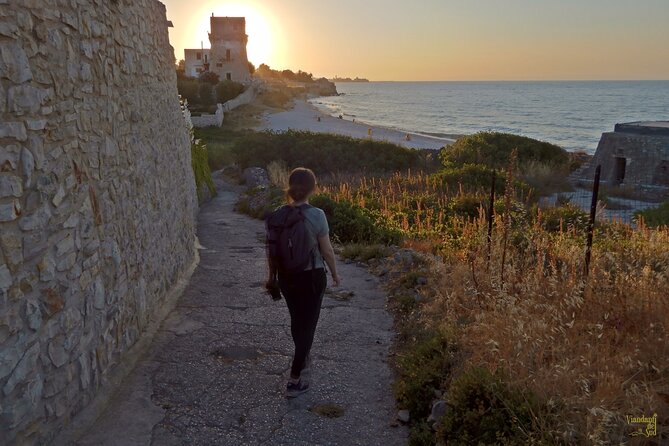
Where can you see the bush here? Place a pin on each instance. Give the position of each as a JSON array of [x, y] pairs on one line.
[[568, 216], [423, 369], [189, 89], [494, 150], [469, 178], [352, 224], [201, 170], [227, 90], [655, 217], [276, 98], [206, 93], [484, 409], [209, 77], [324, 153]]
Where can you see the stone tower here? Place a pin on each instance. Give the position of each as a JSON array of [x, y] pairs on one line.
[[228, 48]]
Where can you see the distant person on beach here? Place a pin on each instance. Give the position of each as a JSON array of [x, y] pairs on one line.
[[319, 119], [369, 133], [407, 137], [298, 251]]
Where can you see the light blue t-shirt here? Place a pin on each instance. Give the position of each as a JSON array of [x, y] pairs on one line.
[[318, 224]]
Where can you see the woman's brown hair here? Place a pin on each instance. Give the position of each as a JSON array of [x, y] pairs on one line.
[[301, 184]]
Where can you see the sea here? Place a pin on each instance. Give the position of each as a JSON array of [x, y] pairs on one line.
[[571, 114]]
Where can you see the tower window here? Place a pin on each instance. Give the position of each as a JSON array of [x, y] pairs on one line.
[[198, 56], [228, 76], [227, 55]]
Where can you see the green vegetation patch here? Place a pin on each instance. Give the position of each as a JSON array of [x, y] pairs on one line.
[[493, 150], [655, 217], [201, 170]]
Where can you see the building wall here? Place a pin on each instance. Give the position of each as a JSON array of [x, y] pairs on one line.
[[645, 157], [229, 34], [97, 199], [195, 66]]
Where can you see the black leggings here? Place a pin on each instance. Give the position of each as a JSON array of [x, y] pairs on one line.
[[304, 295]]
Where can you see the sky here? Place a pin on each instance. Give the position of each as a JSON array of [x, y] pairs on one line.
[[432, 40]]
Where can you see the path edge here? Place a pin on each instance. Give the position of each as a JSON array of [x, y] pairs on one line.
[[85, 419]]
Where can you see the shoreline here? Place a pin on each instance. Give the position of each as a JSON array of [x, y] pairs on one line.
[[304, 116]]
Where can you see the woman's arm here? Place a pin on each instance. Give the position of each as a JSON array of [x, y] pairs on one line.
[[329, 256]]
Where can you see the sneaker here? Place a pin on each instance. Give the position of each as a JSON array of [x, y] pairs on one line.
[[294, 389]]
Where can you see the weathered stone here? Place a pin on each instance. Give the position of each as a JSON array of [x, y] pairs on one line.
[[26, 98], [71, 222], [16, 130], [14, 63], [36, 124], [57, 353], [23, 369], [33, 315], [9, 211], [37, 220], [403, 416], [5, 278], [10, 186], [46, 268], [58, 198], [255, 176], [27, 166], [12, 246], [65, 245], [8, 360]]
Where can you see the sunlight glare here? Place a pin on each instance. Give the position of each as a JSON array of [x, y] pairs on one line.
[[260, 27]]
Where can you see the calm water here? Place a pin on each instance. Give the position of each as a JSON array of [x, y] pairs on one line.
[[570, 114]]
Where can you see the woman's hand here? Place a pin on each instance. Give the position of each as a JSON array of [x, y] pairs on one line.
[[336, 280]]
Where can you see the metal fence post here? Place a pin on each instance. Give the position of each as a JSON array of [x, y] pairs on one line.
[[591, 223]]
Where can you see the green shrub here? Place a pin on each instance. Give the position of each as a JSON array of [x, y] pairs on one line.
[[485, 409], [363, 252], [220, 155], [189, 89], [423, 369], [209, 77], [352, 224], [227, 90], [655, 217], [494, 150], [469, 178], [201, 170], [206, 93], [421, 435], [321, 152], [568, 216]]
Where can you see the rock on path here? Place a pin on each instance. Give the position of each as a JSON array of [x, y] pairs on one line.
[[216, 370]]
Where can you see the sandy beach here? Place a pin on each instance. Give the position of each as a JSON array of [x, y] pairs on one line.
[[304, 116]]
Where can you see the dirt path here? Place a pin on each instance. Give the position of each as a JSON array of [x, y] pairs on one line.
[[216, 371]]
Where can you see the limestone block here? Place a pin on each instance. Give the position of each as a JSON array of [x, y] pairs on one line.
[[47, 268], [27, 166], [36, 124], [26, 404], [9, 29], [5, 278], [23, 369], [8, 360], [10, 186], [33, 314], [26, 98], [37, 220], [12, 246], [15, 130], [57, 353], [9, 211], [14, 63]]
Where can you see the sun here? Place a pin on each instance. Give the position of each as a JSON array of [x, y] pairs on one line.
[[263, 44]]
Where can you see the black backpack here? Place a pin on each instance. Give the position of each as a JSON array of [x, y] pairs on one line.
[[291, 245]]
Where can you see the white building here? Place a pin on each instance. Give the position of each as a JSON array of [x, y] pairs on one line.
[[227, 56]]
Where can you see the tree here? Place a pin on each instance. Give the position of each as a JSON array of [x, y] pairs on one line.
[[189, 89], [209, 77], [227, 90], [206, 93], [252, 68]]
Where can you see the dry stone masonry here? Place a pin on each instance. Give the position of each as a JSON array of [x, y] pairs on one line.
[[97, 199]]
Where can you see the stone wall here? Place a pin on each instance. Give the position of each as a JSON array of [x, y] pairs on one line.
[[97, 199], [209, 120], [645, 157]]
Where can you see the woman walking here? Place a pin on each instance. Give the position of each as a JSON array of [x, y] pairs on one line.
[[299, 249]]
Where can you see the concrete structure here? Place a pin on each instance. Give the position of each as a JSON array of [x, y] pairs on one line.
[[227, 56], [97, 201], [635, 153], [197, 61]]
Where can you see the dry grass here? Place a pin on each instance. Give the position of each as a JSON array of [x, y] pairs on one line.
[[597, 348]]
